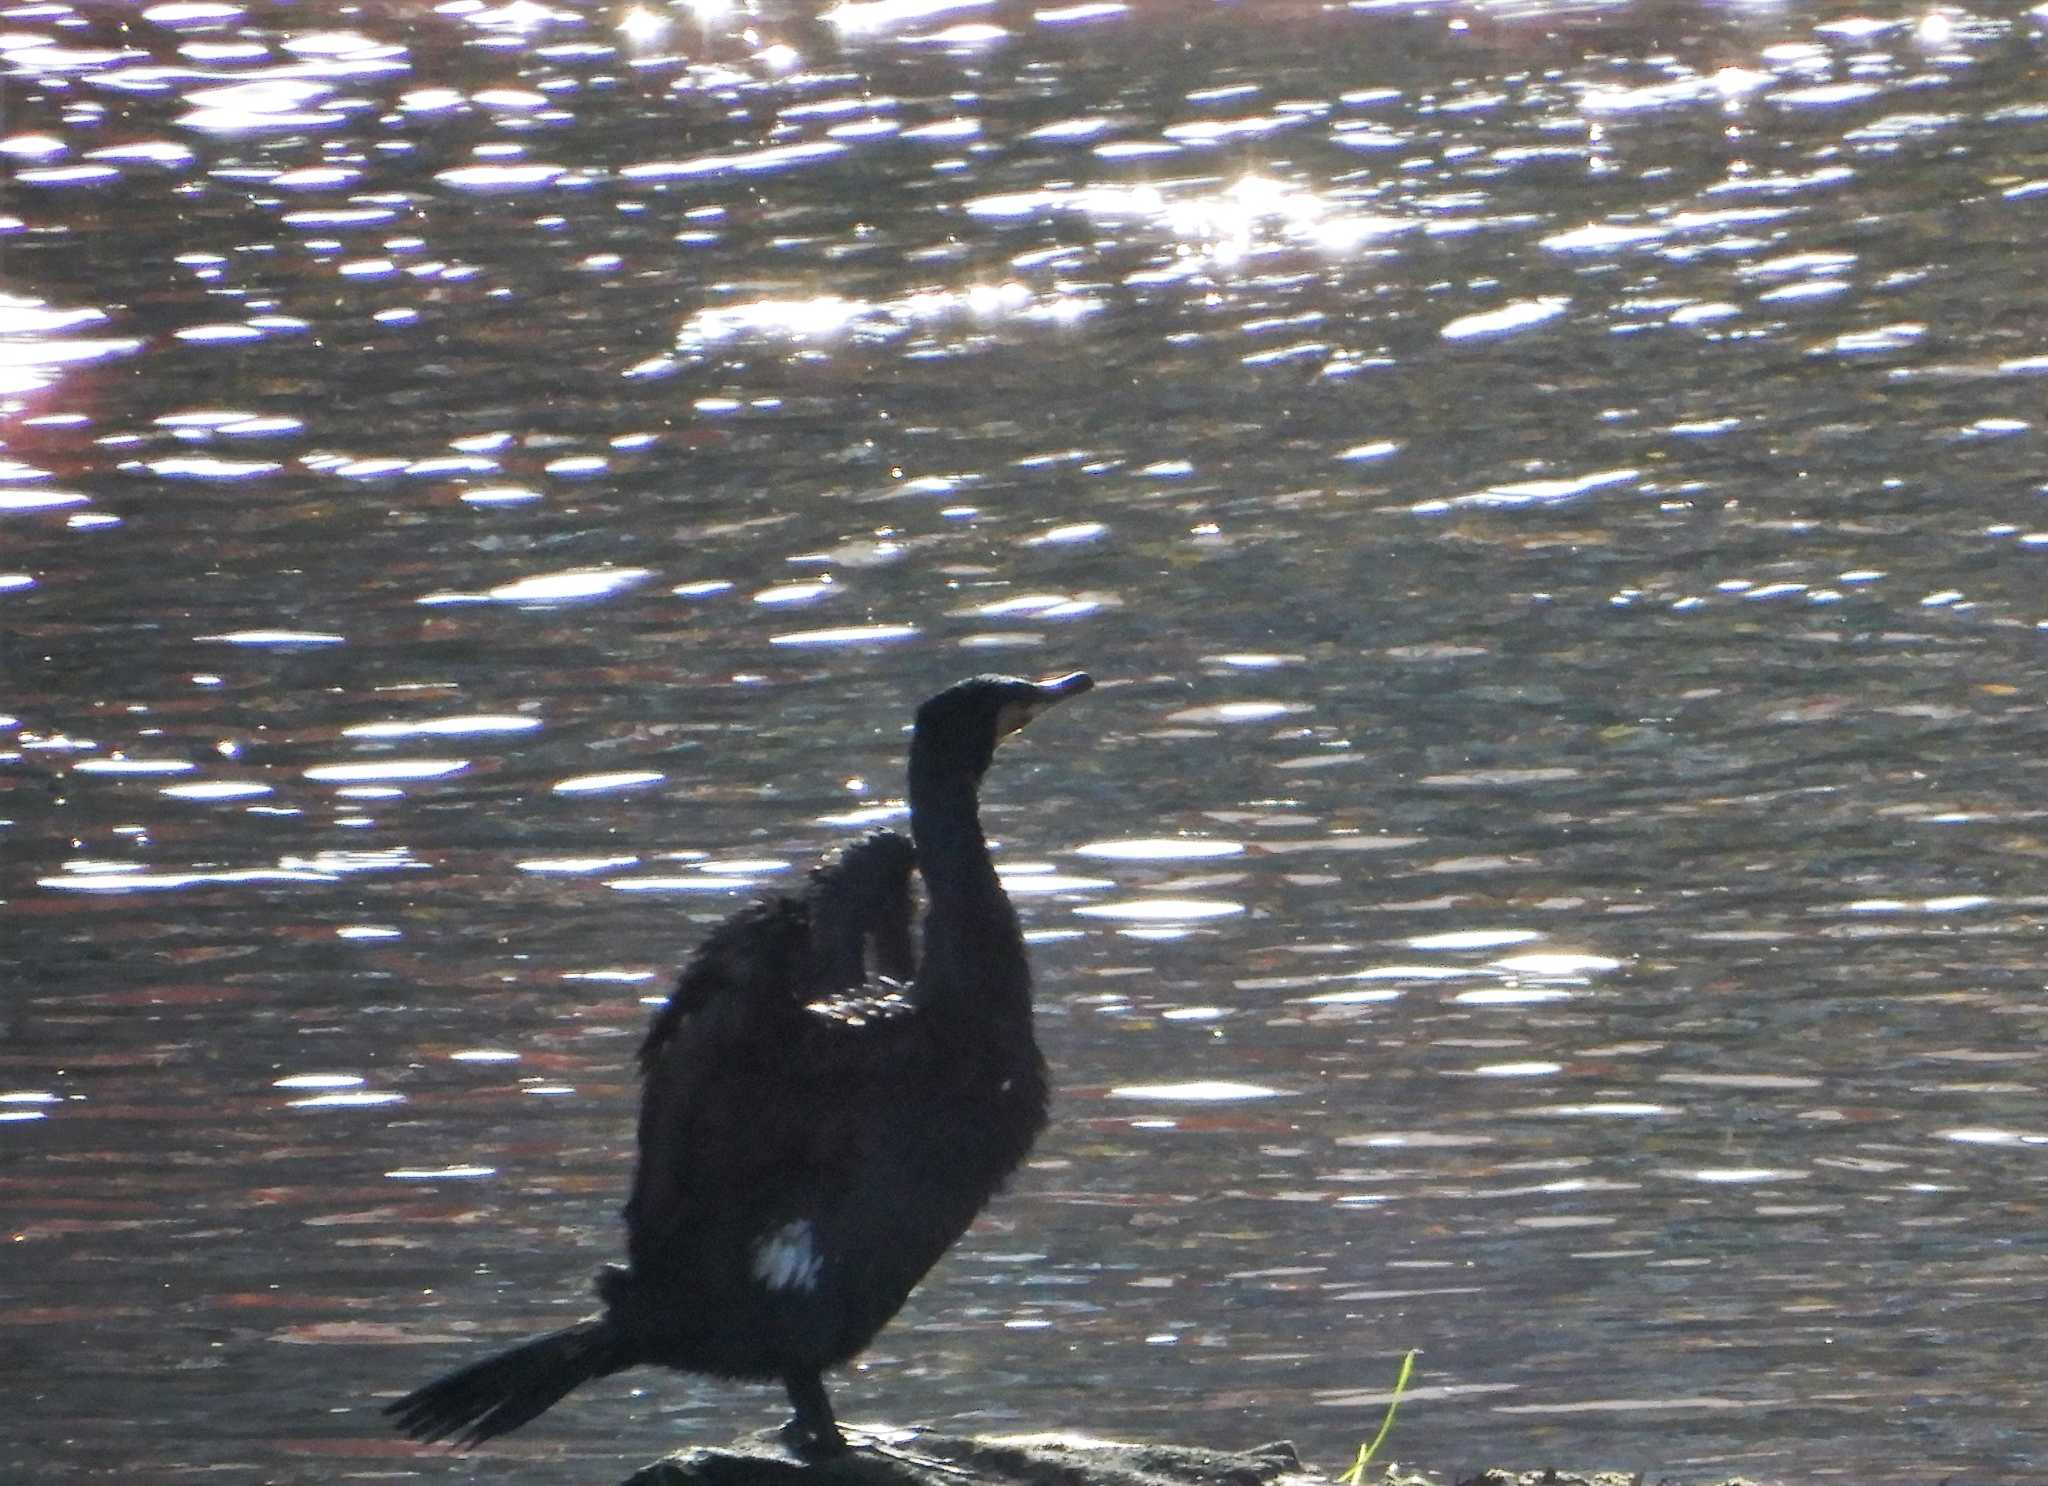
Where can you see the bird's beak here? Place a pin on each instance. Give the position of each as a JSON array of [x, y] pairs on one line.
[[1050, 692], [1059, 688]]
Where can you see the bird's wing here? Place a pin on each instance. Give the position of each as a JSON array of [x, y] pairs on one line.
[[860, 900], [740, 992], [741, 1072], [726, 1131], [749, 968]]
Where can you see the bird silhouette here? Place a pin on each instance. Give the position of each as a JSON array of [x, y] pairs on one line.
[[813, 1137]]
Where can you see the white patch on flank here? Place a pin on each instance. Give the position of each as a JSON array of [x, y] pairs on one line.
[[788, 1258]]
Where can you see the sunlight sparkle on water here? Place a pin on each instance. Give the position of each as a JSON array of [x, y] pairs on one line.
[[388, 769], [864, 17], [68, 175], [597, 784], [482, 722], [704, 884], [357, 1100], [571, 866], [1041, 605], [1024, 883], [640, 25], [271, 637], [1959, 903], [1351, 998], [1235, 712], [25, 317], [141, 882], [1512, 996], [1531, 492], [30, 147], [1202, 1091], [864, 634], [269, 103], [1995, 1137], [133, 766], [1556, 965], [1207, 225], [801, 319], [1071, 15], [1599, 238], [1255, 660], [867, 815], [1078, 531], [199, 467], [826, 316], [1507, 319], [519, 177], [573, 586], [1474, 939], [795, 593], [1160, 849], [773, 159], [1164, 910], [23, 356]]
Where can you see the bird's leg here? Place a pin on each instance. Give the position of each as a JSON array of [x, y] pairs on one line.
[[813, 1435], [811, 1432]]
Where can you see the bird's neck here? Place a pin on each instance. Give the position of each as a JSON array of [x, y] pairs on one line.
[[973, 948]]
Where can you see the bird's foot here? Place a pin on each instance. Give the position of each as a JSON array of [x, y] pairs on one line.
[[811, 1444]]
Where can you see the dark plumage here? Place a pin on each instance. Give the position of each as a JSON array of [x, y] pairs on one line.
[[757, 971], [812, 1138]]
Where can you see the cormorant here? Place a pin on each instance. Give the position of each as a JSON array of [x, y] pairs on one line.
[[811, 1141]]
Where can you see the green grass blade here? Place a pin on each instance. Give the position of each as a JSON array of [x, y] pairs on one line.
[[1356, 1475]]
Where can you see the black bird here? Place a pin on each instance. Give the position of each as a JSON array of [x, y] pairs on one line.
[[811, 1141]]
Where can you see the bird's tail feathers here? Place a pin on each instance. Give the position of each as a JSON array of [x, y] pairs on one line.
[[504, 1391]]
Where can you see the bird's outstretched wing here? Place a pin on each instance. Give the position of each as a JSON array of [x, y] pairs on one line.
[[755, 1036]]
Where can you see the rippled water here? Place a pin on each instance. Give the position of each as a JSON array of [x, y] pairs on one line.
[[1554, 499]]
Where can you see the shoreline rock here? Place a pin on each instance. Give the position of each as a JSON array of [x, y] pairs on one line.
[[913, 1458]]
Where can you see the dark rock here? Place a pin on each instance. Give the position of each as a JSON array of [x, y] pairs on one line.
[[911, 1459], [908, 1458]]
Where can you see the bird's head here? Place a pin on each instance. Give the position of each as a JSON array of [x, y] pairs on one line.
[[961, 726]]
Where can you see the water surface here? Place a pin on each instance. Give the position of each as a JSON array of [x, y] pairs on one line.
[[1552, 496]]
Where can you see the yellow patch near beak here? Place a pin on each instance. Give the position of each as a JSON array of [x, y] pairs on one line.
[[1014, 715], [1056, 689]]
